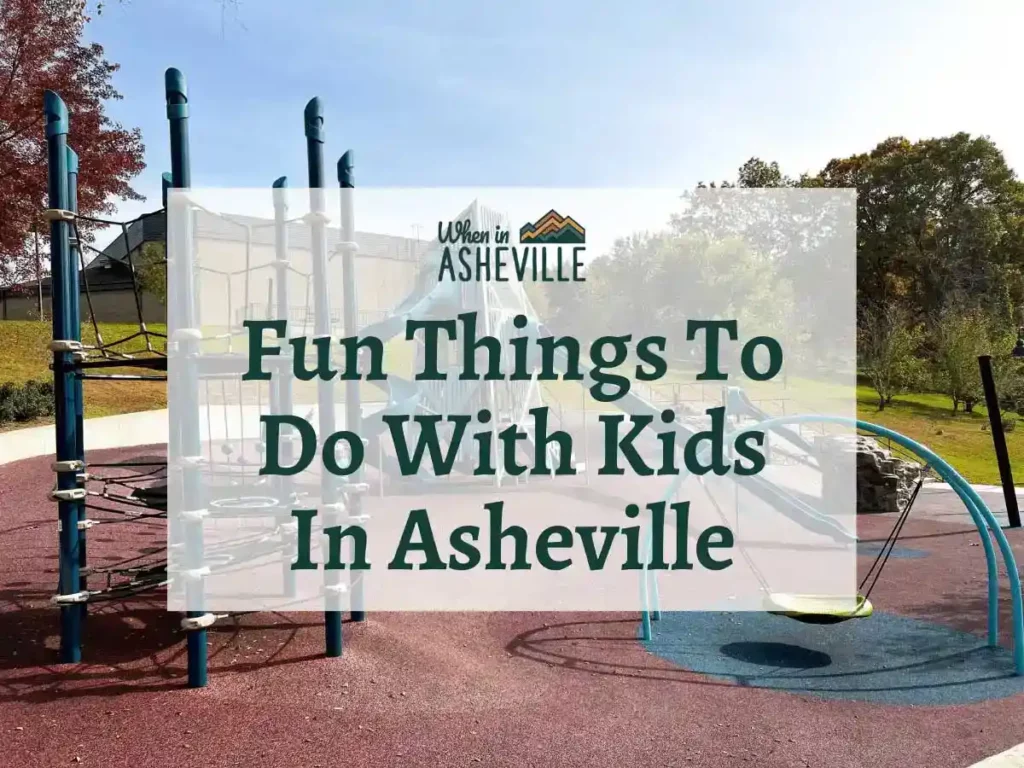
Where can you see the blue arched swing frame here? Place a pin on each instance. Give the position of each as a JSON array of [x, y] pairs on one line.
[[988, 528]]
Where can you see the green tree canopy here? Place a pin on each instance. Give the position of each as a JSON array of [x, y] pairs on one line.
[[939, 222]]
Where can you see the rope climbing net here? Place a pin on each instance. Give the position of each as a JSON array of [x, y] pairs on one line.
[[135, 491]]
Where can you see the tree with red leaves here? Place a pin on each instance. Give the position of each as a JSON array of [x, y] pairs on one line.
[[41, 48]]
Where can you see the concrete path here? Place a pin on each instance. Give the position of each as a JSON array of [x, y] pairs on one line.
[[1011, 758], [981, 488], [122, 431], [149, 428], [938, 502]]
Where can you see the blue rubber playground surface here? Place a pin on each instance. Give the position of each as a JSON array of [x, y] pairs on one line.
[[887, 659], [873, 549]]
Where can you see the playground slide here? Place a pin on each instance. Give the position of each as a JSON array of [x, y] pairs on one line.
[[419, 305], [429, 299], [405, 397], [787, 503], [738, 403]]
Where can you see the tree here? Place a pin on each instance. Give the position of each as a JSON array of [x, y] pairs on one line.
[[41, 48], [959, 337], [887, 349], [938, 220], [661, 280], [1009, 380], [798, 234], [151, 270], [755, 174]]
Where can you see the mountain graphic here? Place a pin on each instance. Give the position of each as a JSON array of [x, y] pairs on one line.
[[552, 227]]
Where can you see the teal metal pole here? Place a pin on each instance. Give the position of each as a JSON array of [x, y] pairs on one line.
[[353, 406], [56, 120], [76, 335], [330, 497], [281, 385], [645, 601], [166, 182], [185, 425], [282, 269]]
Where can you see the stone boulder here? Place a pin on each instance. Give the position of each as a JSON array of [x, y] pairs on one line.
[[884, 481]]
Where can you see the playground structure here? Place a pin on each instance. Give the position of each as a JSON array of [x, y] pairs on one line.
[[509, 401], [73, 362], [497, 305], [148, 486]]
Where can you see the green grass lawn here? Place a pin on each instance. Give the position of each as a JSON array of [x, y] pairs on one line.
[[962, 439], [25, 354]]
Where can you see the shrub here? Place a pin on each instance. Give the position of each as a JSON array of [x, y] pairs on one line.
[[25, 402], [8, 394]]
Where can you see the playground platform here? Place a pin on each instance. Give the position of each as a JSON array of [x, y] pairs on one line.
[[911, 686]]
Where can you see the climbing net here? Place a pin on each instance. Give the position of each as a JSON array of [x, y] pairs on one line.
[[134, 491], [110, 353]]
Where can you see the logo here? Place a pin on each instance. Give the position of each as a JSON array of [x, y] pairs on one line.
[[552, 227], [476, 247]]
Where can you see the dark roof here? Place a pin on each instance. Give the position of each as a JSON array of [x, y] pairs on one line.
[[108, 269], [101, 274], [150, 228], [224, 227]]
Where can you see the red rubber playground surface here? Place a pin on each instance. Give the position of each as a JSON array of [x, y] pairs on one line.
[[475, 689]]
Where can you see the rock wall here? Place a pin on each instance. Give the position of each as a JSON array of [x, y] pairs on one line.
[[884, 481]]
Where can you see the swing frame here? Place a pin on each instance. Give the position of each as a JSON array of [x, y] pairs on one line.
[[986, 523]]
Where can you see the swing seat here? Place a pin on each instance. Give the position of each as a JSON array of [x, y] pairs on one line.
[[819, 609]]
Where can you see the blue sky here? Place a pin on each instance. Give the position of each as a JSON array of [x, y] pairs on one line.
[[559, 94]]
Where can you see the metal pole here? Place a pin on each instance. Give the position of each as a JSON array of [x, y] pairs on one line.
[[330, 497], [39, 275], [586, 441], [999, 440], [166, 182], [353, 406], [56, 118], [281, 384], [185, 425], [76, 335], [491, 398], [281, 266], [380, 466]]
